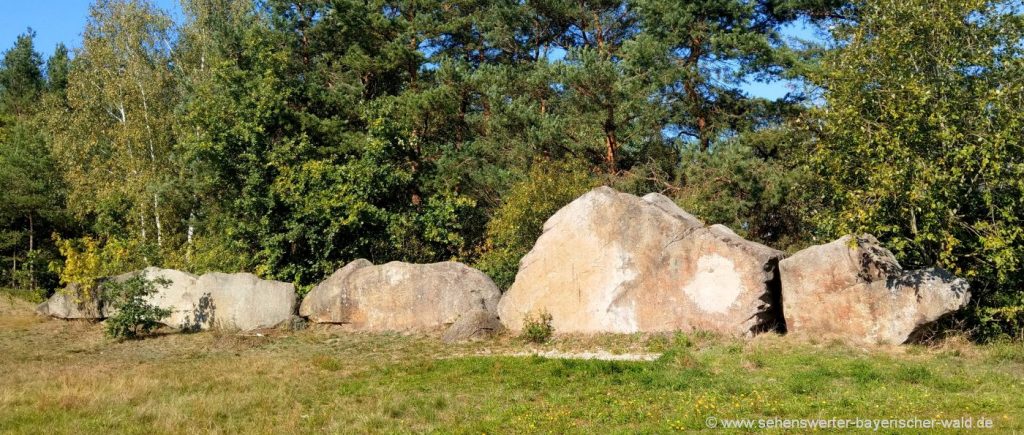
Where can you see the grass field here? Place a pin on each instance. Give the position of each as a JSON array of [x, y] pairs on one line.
[[65, 377]]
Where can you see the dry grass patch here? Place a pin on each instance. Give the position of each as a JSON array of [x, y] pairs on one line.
[[65, 377]]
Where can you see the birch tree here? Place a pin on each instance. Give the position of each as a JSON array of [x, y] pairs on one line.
[[116, 140]]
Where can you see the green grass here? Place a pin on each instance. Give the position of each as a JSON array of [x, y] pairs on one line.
[[64, 377]]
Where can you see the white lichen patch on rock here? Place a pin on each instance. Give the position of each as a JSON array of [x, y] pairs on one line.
[[716, 285]]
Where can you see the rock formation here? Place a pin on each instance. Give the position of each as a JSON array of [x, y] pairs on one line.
[[72, 303], [614, 262], [404, 297], [214, 300], [853, 289]]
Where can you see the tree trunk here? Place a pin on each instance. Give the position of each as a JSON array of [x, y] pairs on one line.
[[156, 220], [611, 142], [142, 224], [696, 102], [31, 247], [188, 240]]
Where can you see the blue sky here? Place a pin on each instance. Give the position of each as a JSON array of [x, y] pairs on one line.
[[53, 21], [63, 20]]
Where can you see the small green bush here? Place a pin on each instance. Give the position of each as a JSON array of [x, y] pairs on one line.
[[537, 327], [135, 316]]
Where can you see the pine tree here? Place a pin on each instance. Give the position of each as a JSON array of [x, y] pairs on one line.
[[21, 76], [58, 67], [30, 201]]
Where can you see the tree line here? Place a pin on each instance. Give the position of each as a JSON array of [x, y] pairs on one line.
[[286, 138]]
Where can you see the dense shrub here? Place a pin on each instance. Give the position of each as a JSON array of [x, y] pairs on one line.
[[134, 315], [88, 259]]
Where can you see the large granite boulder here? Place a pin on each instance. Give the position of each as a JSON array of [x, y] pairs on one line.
[[214, 300], [853, 289], [190, 309], [614, 262], [239, 301], [400, 296]]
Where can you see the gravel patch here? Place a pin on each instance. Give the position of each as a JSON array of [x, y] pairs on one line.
[[598, 355]]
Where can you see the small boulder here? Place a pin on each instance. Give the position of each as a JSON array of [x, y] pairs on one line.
[[615, 262], [478, 324], [853, 289], [401, 296], [73, 303]]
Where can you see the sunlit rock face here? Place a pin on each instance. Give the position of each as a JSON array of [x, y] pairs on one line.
[[233, 301], [854, 290], [406, 297], [615, 262]]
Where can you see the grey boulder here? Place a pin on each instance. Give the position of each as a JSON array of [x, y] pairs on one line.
[[73, 303]]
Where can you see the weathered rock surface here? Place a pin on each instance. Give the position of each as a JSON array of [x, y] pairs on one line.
[[240, 301], [854, 289], [214, 300], [475, 325], [401, 296], [72, 303], [328, 302], [614, 262]]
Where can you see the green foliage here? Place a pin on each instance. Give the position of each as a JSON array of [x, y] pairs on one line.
[[920, 142], [519, 221], [112, 136], [537, 327], [754, 185], [287, 138], [58, 66], [33, 188], [21, 76], [134, 316]]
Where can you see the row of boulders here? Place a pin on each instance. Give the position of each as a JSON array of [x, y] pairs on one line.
[[391, 297], [613, 262], [607, 262], [213, 300]]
